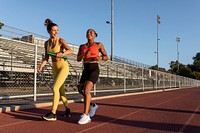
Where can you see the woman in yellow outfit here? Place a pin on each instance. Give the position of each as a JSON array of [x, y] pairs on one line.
[[60, 68]]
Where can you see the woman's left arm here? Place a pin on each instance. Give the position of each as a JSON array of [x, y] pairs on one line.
[[103, 52], [66, 47]]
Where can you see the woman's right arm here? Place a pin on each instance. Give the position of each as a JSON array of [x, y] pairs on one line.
[[46, 58], [80, 56]]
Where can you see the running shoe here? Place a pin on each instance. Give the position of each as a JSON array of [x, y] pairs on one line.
[[50, 117], [82, 115], [93, 108], [67, 113], [84, 119]]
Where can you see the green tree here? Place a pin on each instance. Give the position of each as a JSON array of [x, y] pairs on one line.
[[196, 63], [196, 75], [185, 70], [197, 57], [156, 68], [1, 25], [190, 70], [173, 67]]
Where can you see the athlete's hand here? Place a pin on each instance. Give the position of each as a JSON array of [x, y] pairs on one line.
[[39, 69], [88, 53], [97, 58], [59, 55]]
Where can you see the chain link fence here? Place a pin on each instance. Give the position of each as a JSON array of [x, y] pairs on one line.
[[21, 52]]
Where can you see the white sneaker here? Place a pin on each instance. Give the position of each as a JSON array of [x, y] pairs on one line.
[[93, 109], [82, 115], [84, 119]]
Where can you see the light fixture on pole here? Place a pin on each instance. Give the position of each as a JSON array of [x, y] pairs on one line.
[[178, 40], [112, 29]]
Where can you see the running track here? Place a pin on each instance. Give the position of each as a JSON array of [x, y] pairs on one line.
[[160, 112]]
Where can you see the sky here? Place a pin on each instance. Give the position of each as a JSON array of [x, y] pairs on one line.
[[135, 25]]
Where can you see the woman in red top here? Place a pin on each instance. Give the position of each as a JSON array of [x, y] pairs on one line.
[[91, 53]]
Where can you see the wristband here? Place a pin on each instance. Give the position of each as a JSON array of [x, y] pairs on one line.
[[102, 57]]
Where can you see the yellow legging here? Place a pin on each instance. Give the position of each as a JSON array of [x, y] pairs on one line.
[[60, 71]]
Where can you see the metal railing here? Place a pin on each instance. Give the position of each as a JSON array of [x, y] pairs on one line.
[[18, 79]]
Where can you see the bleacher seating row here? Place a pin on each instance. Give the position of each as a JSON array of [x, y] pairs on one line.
[[17, 63]]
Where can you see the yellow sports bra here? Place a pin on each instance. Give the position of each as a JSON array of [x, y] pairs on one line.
[[55, 49]]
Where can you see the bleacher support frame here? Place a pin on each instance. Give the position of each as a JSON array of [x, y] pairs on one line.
[[19, 59]]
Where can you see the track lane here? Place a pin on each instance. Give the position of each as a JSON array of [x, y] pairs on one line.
[[162, 112]]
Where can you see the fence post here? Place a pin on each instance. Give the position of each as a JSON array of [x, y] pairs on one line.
[[95, 88], [11, 58], [170, 84], [143, 78], [156, 80], [35, 74], [164, 80], [107, 71], [124, 78], [175, 80]]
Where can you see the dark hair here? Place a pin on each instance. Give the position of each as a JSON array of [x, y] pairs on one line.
[[49, 24], [94, 32]]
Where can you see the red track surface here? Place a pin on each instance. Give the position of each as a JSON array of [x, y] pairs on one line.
[[162, 112]]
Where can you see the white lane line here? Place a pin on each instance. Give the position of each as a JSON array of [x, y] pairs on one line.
[[189, 120], [12, 124], [136, 93], [129, 114]]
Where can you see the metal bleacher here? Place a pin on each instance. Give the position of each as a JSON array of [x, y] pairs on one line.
[[17, 65], [19, 57]]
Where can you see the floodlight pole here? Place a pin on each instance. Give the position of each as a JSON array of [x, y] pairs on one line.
[[158, 22], [112, 29], [177, 40]]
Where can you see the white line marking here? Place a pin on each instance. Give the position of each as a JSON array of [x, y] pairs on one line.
[[189, 120], [12, 124], [130, 114]]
